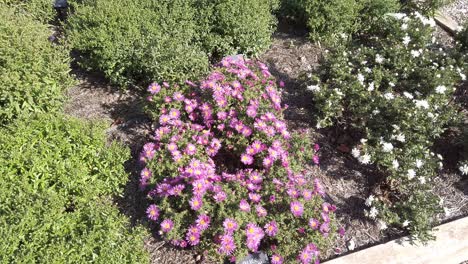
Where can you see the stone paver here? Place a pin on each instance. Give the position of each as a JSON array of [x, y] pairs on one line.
[[450, 247]]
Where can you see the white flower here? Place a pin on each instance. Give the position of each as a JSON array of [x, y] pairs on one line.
[[441, 201], [422, 180], [422, 104], [397, 15], [441, 89], [406, 40], [360, 78], [406, 223], [369, 200], [400, 137], [313, 88], [463, 76], [415, 53], [419, 163], [373, 212], [351, 245], [365, 159], [464, 169], [355, 152], [408, 95], [411, 174], [447, 212], [389, 96], [367, 69], [379, 59], [404, 26], [363, 140], [431, 115], [391, 84], [395, 164], [387, 147], [371, 87], [382, 225], [440, 157]]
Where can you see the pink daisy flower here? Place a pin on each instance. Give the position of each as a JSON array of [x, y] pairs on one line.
[[190, 149], [271, 229], [152, 212], [230, 225], [196, 203], [261, 211], [314, 223], [276, 259], [227, 246], [297, 209], [244, 206], [154, 88], [167, 225], [246, 159], [203, 221]]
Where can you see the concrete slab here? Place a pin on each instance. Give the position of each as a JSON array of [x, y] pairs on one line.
[[447, 23], [450, 247]]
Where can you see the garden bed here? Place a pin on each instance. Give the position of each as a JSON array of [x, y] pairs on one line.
[[348, 183]]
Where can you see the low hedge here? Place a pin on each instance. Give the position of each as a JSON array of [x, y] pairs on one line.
[[33, 71], [42, 10], [58, 176], [329, 20], [135, 42]]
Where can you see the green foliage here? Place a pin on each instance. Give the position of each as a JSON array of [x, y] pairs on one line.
[[57, 177], [33, 71], [235, 26], [135, 42], [462, 38], [395, 88], [41, 10], [328, 20]]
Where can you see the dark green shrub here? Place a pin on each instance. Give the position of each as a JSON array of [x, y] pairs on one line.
[[42, 10], [137, 42], [462, 38], [33, 71], [235, 26], [57, 177], [328, 20]]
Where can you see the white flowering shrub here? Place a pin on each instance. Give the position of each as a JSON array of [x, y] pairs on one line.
[[394, 88]]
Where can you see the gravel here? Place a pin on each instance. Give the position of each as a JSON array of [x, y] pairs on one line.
[[458, 10]]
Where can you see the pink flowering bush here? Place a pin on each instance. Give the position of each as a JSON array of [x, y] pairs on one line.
[[224, 173]]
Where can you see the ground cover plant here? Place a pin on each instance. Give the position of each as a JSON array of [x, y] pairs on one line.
[[224, 173], [394, 89], [135, 42], [41, 10], [58, 178], [33, 71], [327, 21]]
